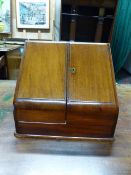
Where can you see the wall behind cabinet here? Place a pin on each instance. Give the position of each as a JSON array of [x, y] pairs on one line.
[[33, 33], [57, 19]]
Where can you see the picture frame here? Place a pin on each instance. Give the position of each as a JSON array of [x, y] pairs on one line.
[[32, 14], [5, 16]]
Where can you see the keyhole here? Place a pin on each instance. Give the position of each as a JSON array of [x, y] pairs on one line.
[[72, 70]]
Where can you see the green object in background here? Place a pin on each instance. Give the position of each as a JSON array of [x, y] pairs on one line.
[[2, 26], [7, 97], [121, 39], [1, 2]]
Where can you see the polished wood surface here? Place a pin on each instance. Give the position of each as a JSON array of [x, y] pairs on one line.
[[65, 93], [42, 116], [62, 157], [13, 58], [92, 80], [92, 102], [43, 72], [40, 92]]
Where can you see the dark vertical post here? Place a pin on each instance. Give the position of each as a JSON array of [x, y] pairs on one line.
[[99, 28]]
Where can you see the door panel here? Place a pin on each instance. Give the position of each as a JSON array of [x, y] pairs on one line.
[[42, 82], [92, 77], [43, 73]]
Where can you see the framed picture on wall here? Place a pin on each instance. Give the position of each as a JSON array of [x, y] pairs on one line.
[[32, 14], [5, 16]]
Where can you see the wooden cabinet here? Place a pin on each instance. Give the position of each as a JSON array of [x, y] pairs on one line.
[[13, 63], [12, 56], [87, 20], [66, 90]]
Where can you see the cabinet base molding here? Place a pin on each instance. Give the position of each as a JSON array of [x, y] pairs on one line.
[[24, 136]]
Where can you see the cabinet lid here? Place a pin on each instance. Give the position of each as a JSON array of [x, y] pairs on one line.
[[93, 78], [42, 74]]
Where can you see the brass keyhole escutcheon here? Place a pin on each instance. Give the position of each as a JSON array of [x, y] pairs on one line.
[[72, 70]]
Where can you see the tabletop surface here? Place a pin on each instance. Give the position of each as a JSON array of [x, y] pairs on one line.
[[8, 47], [62, 157]]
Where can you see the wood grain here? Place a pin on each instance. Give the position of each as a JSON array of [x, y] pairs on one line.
[[41, 85], [92, 80], [92, 101], [63, 130], [13, 63], [66, 89], [40, 116], [43, 72]]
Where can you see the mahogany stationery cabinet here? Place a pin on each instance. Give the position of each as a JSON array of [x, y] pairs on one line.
[[66, 89]]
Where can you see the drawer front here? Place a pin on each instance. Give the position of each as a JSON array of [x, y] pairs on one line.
[[39, 116]]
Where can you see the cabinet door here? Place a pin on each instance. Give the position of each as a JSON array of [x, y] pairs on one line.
[[90, 73], [91, 102], [42, 83]]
